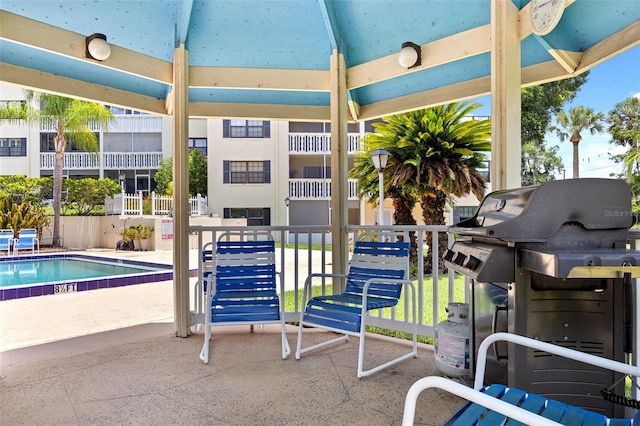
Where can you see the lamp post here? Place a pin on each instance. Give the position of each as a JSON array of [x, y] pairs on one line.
[[379, 158], [122, 178], [287, 201]]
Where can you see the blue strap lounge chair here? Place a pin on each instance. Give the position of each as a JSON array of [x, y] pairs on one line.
[[240, 288], [27, 240], [497, 404], [377, 273], [6, 240]]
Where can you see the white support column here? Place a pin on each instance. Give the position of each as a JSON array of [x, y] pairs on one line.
[[505, 96], [181, 192], [339, 170]]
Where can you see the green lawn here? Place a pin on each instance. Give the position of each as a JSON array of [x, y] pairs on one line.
[[400, 308]]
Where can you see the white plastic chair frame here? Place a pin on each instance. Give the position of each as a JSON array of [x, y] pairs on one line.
[[6, 240], [495, 404], [362, 332], [208, 277], [27, 240]]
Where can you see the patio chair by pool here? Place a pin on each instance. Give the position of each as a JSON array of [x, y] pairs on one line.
[[27, 240], [239, 284], [377, 273], [6, 240], [494, 404]]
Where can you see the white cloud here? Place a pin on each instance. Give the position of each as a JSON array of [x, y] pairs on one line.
[[636, 95]]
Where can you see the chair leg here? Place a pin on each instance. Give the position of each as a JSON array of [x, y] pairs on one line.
[[204, 353], [414, 345], [286, 349]]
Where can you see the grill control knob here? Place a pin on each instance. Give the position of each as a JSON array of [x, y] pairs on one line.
[[448, 255], [459, 260], [472, 263]]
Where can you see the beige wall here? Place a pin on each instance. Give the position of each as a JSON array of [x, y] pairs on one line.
[[91, 232]]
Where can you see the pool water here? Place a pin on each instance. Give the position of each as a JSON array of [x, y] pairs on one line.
[[24, 272], [39, 275]]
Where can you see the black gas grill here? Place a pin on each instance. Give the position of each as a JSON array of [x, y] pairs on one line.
[[550, 262]]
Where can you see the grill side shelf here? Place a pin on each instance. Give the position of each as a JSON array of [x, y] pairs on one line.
[[598, 263]]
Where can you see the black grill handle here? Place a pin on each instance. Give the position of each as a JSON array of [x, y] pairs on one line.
[[494, 329], [627, 300]]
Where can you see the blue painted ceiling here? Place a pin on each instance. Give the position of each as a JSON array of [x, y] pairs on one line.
[[265, 36]]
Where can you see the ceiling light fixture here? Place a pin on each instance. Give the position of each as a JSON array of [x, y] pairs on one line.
[[410, 55], [97, 47]]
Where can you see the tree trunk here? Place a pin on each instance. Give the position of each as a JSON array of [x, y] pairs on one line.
[[60, 145], [403, 215], [576, 159], [433, 204]]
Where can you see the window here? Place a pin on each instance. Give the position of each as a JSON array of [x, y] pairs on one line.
[[318, 127], [246, 129], [246, 171], [123, 111], [47, 143], [368, 125], [316, 172], [461, 213], [486, 172], [198, 143], [132, 142], [13, 147], [254, 216]]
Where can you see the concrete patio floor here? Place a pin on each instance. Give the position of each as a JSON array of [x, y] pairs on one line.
[[109, 356]]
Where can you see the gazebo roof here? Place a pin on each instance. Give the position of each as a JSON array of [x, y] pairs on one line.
[[271, 58]]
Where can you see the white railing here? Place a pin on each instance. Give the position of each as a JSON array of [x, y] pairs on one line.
[[110, 160], [136, 124], [319, 143], [158, 205], [131, 160], [299, 259], [79, 160], [51, 126], [317, 189]]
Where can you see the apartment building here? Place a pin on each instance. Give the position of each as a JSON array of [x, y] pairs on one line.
[[268, 172]]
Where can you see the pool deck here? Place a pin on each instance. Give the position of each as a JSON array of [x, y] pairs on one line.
[[110, 357]]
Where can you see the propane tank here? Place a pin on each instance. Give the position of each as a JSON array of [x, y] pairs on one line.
[[452, 341]]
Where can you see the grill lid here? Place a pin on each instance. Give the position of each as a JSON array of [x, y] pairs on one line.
[[538, 213]]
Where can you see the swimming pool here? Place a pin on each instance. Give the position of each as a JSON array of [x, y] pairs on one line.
[[29, 276]]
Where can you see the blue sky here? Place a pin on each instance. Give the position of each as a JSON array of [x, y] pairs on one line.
[[607, 85]]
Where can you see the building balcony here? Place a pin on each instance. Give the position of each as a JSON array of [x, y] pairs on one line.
[[110, 160], [121, 124], [317, 189], [72, 161], [319, 143]]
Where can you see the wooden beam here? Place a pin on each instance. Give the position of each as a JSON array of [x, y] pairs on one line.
[[18, 29], [181, 300], [259, 78], [65, 86]]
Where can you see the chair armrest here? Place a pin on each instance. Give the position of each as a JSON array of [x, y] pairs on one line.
[[469, 394], [608, 364], [307, 282]]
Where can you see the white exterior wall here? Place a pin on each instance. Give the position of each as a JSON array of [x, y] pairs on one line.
[[29, 165], [274, 149]]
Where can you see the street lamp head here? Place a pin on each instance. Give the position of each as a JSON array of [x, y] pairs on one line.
[[379, 158]]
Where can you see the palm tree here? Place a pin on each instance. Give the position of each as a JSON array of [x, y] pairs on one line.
[[571, 125], [72, 120], [434, 154]]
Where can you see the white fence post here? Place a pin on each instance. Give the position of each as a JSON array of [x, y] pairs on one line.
[[140, 202], [122, 210], [153, 203]]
